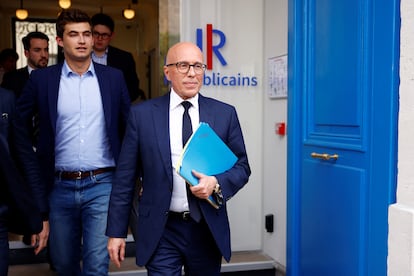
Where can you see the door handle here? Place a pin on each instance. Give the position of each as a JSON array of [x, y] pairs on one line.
[[324, 156]]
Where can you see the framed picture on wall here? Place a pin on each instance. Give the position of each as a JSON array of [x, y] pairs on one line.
[[277, 72]]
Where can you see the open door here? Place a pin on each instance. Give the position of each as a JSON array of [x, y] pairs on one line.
[[342, 118]]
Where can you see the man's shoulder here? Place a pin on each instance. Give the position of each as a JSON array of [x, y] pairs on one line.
[[157, 102], [214, 102], [121, 59], [6, 94], [100, 68], [117, 51], [47, 71], [7, 100], [19, 73], [23, 70]]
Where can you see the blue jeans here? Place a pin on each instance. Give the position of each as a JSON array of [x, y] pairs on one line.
[[78, 215]]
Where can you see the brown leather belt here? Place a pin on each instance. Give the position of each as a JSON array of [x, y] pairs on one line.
[[81, 174]]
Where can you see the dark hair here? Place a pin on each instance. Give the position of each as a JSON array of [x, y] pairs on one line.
[[70, 16], [7, 53], [26, 40], [103, 19]]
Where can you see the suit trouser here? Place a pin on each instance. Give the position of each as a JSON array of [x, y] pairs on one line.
[[185, 243]]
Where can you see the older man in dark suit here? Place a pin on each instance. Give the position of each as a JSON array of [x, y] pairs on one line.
[[20, 187], [171, 234]]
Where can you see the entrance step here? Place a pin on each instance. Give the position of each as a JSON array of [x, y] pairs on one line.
[[246, 263]]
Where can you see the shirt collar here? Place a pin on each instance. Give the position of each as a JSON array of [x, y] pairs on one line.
[[103, 56], [66, 71], [30, 69], [176, 100]]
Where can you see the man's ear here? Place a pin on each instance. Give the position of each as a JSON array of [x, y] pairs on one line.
[[59, 41], [167, 73]]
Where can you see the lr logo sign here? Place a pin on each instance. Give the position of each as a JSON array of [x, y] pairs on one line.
[[209, 45], [212, 78]]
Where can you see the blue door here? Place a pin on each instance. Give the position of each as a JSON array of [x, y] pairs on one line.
[[342, 117]]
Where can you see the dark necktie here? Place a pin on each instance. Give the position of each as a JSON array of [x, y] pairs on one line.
[[187, 128], [187, 131]]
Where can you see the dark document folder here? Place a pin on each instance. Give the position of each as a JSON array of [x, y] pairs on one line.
[[206, 153]]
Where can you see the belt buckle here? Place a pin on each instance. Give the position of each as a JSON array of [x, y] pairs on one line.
[[186, 215], [79, 176]]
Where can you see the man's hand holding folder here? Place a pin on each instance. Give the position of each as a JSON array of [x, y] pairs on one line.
[[204, 155]]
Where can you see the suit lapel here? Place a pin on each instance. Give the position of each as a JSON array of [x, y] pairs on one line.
[[160, 113], [25, 72], [206, 114], [110, 58], [53, 92], [105, 91]]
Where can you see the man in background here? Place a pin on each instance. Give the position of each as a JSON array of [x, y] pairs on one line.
[[19, 182], [103, 31], [8, 60], [36, 50]]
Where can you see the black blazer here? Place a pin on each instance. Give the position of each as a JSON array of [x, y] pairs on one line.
[[15, 80], [124, 61], [19, 172]]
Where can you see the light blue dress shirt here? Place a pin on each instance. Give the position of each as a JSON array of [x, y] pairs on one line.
[[102, 59], [81, 140]]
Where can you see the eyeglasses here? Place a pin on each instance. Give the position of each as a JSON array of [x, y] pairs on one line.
[[184, 67], [101, 35]]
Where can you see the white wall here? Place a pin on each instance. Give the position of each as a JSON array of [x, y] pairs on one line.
[[401, 214], [275, 148], [255, 31], [243, 53]]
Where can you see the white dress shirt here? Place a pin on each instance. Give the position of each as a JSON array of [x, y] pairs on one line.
[[179, 201]]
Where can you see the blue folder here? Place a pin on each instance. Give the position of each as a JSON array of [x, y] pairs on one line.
[[206, 153]]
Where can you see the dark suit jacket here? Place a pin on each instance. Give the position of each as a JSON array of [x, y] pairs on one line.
[[15, 80], [124, 61], [19, 171], [41, 93], [146, 152]]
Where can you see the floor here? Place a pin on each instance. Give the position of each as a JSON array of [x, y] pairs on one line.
[[42, 269], [241, 261], [244, 263]]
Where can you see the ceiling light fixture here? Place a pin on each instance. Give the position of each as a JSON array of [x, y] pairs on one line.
[[64, 4], [128, 13], [21, 13]]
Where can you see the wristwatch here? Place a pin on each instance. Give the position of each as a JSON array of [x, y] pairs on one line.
[[218, 195], [217, 189]]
